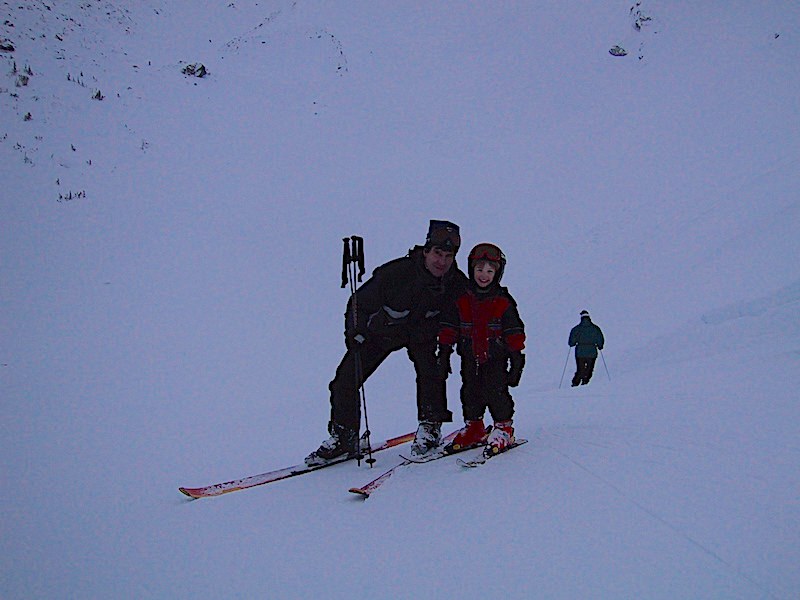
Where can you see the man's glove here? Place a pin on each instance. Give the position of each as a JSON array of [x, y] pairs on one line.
[[515, 373], [443, 360]]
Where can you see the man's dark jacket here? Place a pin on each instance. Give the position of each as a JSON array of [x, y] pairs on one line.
[[402, 302]]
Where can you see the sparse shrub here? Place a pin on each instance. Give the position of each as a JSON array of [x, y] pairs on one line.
[[195, 69]]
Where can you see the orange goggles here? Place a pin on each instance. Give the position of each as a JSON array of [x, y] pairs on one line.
[[488, 252]]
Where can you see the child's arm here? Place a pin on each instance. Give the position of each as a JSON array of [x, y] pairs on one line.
[[513, 327], [514, 336]]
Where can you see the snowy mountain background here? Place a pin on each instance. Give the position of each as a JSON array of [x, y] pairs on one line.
[[170, 310]]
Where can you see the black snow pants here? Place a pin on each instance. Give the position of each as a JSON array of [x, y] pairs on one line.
[[485, 386], [584, 370], [431, 389]]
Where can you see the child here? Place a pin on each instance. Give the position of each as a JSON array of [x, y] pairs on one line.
[[490, 334]]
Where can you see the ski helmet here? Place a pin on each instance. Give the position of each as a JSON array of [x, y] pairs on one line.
[[488, 252]]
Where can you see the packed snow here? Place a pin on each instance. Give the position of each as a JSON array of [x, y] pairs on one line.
[[172, 311]]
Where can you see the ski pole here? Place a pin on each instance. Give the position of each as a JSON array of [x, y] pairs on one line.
[[565, 368], [605, 365], [352, 271]]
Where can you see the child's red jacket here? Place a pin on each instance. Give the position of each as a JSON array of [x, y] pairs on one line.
[[484, 323]]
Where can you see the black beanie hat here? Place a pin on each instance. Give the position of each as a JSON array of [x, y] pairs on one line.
[[443, 234]]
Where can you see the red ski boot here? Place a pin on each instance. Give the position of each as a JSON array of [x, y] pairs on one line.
[[472, 434]]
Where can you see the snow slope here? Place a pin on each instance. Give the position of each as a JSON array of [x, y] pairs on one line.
[[170, 311]]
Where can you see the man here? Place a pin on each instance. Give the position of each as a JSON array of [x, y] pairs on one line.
[[398, 307], [587, 339]]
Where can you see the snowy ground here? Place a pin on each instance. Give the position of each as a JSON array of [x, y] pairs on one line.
[[170, 311]]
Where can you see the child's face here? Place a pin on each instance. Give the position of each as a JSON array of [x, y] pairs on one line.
[[484, 273]]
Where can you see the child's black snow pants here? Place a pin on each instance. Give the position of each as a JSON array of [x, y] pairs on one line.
[[486, 386]]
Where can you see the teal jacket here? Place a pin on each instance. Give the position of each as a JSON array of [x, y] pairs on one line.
[[587, 338]]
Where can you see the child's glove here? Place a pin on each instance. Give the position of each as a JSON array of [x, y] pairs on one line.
[[443, 360], [515, 373]]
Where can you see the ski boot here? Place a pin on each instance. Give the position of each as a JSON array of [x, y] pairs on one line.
[[343, 440], [428, 437], [472, 434], [501, 437]]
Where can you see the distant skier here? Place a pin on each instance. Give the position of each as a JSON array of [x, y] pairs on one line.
[[490, 335], [398, 307], [587, 339]]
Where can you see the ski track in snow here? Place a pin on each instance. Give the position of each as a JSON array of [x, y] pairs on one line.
[[734, 569]]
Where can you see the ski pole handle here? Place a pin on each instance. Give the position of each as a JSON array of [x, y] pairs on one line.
[[352, 253], [358, 254], [346, 260]]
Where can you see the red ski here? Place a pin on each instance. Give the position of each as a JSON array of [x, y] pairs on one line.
[[365, 490], [255, 480]]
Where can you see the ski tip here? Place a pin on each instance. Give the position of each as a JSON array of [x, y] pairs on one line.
[[360, 491], [189, 492]]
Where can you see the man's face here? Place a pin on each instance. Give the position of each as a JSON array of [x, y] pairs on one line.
[[438, 261]]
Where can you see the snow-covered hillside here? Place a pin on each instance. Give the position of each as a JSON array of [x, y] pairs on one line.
[[170, 310]]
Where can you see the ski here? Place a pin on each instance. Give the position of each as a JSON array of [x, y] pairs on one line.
[[271, 476], [365, 490], [486, 455], [444, 452]]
